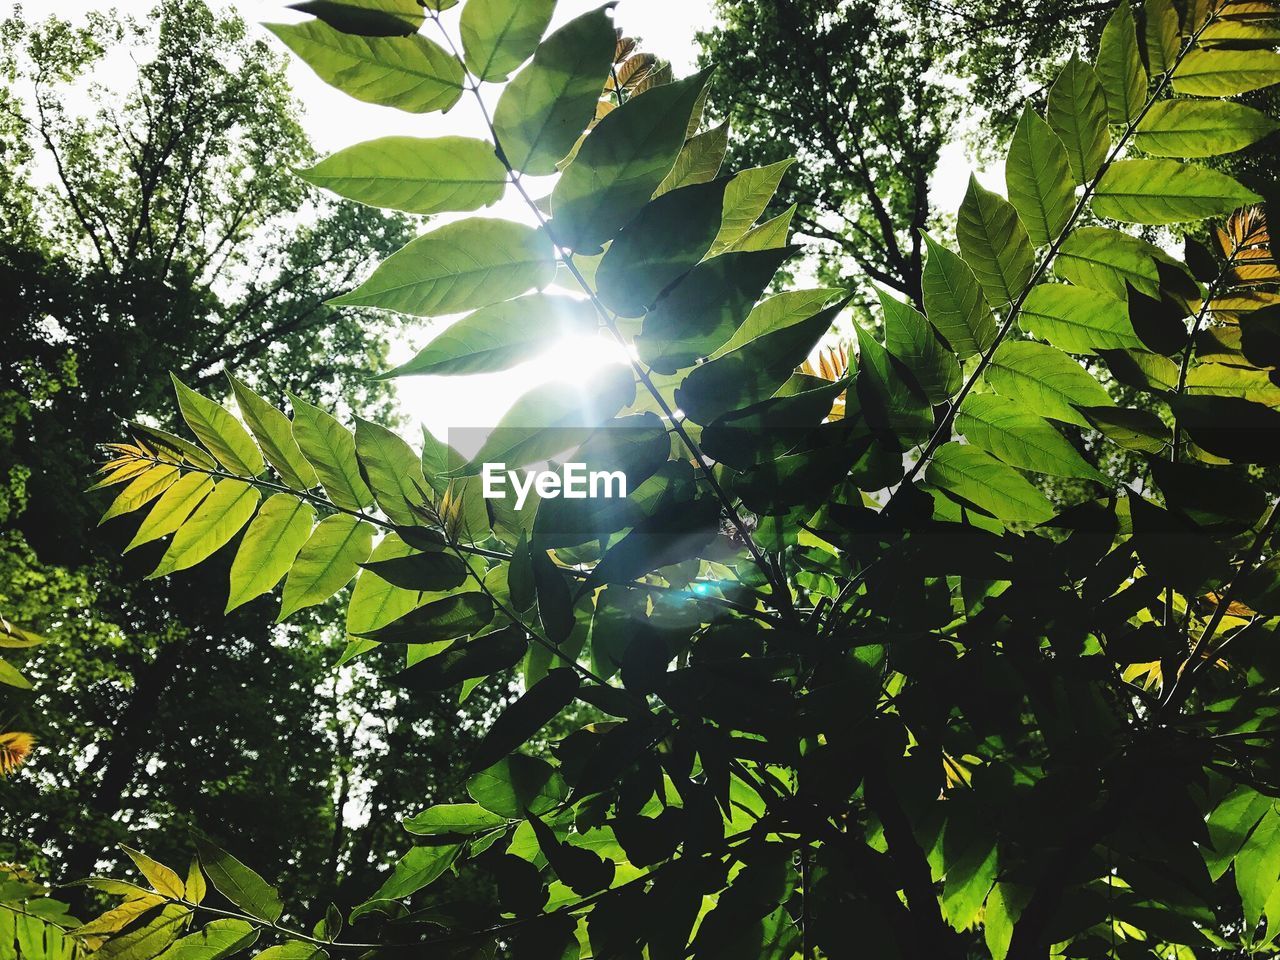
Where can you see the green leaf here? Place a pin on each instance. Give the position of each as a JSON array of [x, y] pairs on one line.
[[331, 449], [1200, 128], [1230, 427], [1166, 191], [702, 312], [217, 939], [502, 335], [910, 338], [518, 786], [1077, 319], [994, 243], [292, 950], [163, 880], [1161, 34], [1226, 73], [752, 372], [554, 417], [219, 431], [746, 197], [1038, 178], [546, 108], [1004, 428], [1105, 260], [374, 602], [366, 18], [954, 303], [435, 572], [1139, 430], [145, 942], [778, 311], [466, 819], [699, 160], [890, 400], [1044, 380], [218, 518], [1120, 69], [1258, 866], [622, 163], [392, 470], [414, 174], [499, 35], [238, 883], [9, 675], [769, 235], [274, 434], [409, 73], [460, 266], [459, 615], [1077, 113], [982, 480], [141, 490], [668, 237], [172, 509], [522, 720], [416, 869], [329, 559], [269, 547]]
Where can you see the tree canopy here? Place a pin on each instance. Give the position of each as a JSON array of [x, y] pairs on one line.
[[838, 676]]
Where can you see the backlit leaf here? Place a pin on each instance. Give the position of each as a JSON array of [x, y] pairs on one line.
[[621, 164], [219, 431], [954, 303], [1038, 178], [414, 174], [269, 547], [1078, 115], [501, 336], [1166, 191], [1200, 128], [1120, 69], [1044, 380], [218, 518], [331, 449], [238, 883], [984, 481], [460, 266], [1077, 319], [545, 109], [994, 243], [499, 35], [410, 73], [328, 560], [274, 434], [1005, 428]]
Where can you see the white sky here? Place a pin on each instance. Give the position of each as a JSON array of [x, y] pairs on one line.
[[334, 120]]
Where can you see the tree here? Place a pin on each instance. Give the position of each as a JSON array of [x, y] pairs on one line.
[[849, 90], [144, 230], [861, 687]]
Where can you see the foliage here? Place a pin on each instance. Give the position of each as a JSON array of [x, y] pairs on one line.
[[198, 248], [857, 685], [866, 137]]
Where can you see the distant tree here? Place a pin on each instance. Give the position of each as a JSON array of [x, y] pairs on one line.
[[147, 229], [850, 90]]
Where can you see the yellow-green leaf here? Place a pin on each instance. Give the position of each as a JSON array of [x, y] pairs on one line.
[[269, 547], [141, 490], [218, 518], [172, 509], [393, 471], [275, 435], [1077, 113], [224, 435], [994, 243], [329, 559], [331, 449], [163, 880]]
